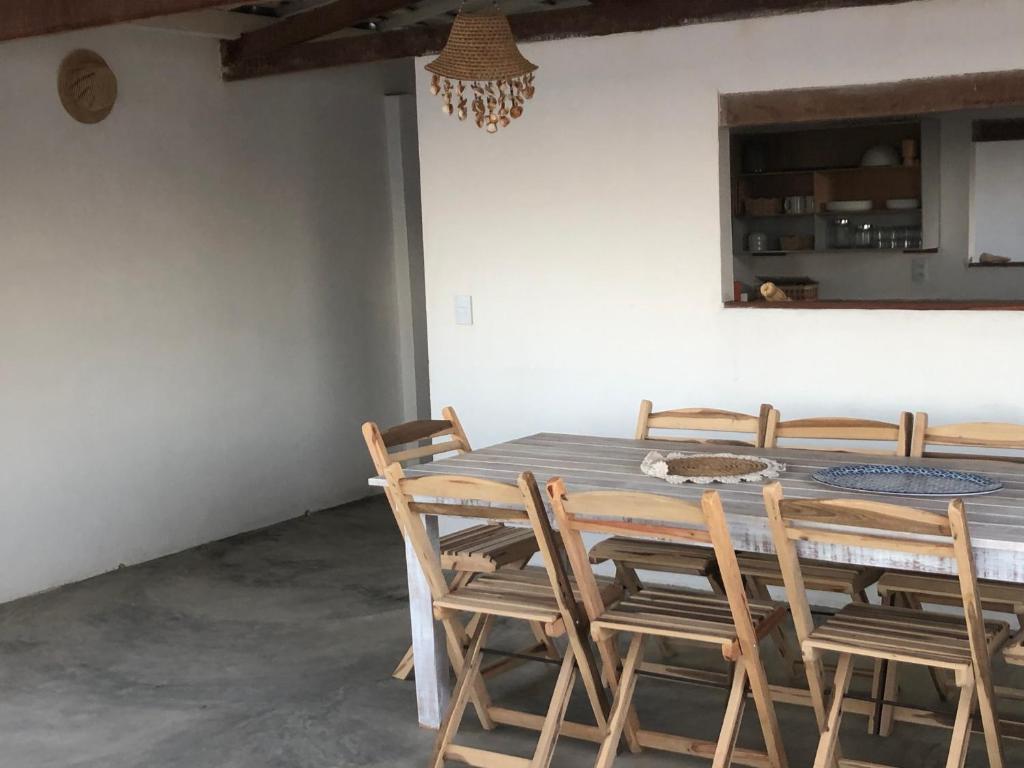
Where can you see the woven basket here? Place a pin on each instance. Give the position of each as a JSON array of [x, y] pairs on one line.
[[762, 206], [801, 291], [481, 47], [796, 242]]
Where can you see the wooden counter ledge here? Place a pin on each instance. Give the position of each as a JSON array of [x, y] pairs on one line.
[[906, 304]]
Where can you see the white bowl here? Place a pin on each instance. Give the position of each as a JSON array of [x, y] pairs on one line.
[[903, 204], [848, 206], [880, 155]]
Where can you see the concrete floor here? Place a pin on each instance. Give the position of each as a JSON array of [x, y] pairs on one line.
[[273, 650]]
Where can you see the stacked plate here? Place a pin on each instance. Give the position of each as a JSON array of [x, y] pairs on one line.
[[848, 206]]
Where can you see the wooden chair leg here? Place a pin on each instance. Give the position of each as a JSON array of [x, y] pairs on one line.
[[962, 724], [829, 743], [589, 673], [628, 578], [890, 692], [606, 646], [733, 716], [544, 640], [759, 591], [885, 683], [990, 717], [761, 692], [462, 693], [405, 666], [552, 727], [455, 637], [622, 705], [940, 683], [815, 671], [877, 681]]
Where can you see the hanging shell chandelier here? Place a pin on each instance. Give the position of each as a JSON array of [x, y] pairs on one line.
[[482, 69]]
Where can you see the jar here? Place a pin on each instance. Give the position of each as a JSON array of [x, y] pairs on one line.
[[842, 236], [757, 242], [862, 236], [885, 238]]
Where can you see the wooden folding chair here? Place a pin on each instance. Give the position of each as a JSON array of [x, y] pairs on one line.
[[678, 425], [832, 429], [990, 435], [762, 571], [914, 590], [471, 551], [890, 635], [544, 596], [729, 622], [701, 421]]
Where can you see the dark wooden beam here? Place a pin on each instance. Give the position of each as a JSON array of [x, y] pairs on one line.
[[850, 102], [29, 18], [605, 18], [309, 25]]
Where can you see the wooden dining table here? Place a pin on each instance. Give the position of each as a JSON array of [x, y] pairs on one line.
[[608, 463]]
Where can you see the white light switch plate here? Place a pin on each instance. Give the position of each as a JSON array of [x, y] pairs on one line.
[[919, 270], [463, 310]]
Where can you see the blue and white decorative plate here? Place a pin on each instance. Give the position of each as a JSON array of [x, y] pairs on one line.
[[906, 481]]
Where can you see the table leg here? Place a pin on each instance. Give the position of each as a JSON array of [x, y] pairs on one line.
[[433, 685]]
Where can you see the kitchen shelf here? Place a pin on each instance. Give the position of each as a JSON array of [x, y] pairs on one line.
[[872, 212], [899, 304], [776, 253], [764, 174], [869, 169], [861, 251], [749, 216]]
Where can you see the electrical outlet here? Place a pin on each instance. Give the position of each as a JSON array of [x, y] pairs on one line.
[[463, 310], [919, 270]]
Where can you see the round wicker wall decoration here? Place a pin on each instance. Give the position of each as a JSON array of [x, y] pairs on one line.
[[87, 86]]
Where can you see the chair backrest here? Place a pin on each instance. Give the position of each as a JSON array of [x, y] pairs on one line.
[[861, 523], [702, 420], [476, 498], [380, 442], [841, 429], [647, 516], [982, 434]]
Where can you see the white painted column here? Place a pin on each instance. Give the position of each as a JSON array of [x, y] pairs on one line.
[[407, 252]]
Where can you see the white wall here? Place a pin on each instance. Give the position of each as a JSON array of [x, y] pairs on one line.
[[997, 190], [196, 302], [589, 236]]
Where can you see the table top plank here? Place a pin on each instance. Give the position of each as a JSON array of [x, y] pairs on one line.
[[592, 463]]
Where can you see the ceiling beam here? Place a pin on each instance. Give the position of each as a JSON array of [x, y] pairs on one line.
[[29, 18], [603, 18], [849, 102], [215, 23], [308, 25]]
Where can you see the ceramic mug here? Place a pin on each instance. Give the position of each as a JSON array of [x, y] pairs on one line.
[[793, 204]]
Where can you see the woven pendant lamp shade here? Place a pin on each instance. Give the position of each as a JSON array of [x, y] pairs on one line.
[[481, 56]]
